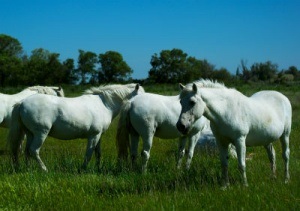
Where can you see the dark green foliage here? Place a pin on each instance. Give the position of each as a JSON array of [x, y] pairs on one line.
[[86, 66], [113, 68]]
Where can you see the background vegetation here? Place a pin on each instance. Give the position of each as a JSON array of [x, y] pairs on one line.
[[169, 66], [163, 187]]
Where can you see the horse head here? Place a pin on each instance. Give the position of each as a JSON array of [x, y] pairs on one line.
[[138, 89], [192, 107], [59, 91]]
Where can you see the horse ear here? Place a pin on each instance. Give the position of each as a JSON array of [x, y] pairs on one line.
[[195, 88], [137, 86], [181, 86]]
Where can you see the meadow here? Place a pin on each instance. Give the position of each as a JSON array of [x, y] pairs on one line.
[[163, 187]]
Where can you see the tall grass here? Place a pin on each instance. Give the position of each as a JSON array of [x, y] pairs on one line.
[[163, 187]]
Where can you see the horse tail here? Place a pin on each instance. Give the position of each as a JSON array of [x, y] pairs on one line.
[[16, 133], [123, 132]]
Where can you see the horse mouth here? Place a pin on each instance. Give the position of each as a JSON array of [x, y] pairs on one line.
[[182, 129]]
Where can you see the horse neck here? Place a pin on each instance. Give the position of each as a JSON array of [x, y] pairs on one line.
[[215, 100]]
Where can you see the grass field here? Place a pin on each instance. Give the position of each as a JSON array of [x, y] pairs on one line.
[[163, 187]]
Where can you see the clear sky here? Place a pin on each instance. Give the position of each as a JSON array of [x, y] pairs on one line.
[[223, 32]]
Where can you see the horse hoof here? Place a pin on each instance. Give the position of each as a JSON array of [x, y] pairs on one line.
[[223, 188]]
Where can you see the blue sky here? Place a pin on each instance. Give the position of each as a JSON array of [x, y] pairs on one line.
[[222, 32]]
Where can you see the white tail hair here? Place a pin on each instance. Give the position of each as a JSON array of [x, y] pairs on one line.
[[16, 133]]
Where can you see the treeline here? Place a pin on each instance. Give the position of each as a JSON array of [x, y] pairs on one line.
[[169, 66]]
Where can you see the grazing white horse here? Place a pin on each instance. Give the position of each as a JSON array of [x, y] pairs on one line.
[[235, 118], [8, 101], [86, 116], [148, 115]]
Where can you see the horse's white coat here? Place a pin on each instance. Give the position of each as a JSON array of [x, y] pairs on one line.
[[148, 115], [86, 116], [8, 101], [244, 121]]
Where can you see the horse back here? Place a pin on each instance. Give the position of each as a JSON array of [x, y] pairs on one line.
[[276, 102]]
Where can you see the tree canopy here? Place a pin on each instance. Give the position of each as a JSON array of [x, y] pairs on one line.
[[172, 66], [113, 68]]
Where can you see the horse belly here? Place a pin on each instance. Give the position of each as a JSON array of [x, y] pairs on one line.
[[259, 138], [67, 131]]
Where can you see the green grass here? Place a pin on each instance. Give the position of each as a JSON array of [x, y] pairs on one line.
[[162, 188]]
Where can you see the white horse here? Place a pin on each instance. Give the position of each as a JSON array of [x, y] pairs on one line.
[[243, 121], [86, 116], [148, 115], [8, 101]]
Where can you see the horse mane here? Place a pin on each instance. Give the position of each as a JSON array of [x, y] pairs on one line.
[[50, 90], [201, 83], [113, 91], [206, 83]]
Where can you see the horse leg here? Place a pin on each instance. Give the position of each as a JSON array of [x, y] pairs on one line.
[[223, 148], [21, 145], [192, 143], [272, 157], [134, 148], [284, 139], [147, 144], [34, 148], [98, 154], [29, 139], [91, 145], [181, 150], [240, 145]]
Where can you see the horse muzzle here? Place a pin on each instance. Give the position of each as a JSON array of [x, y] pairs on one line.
[[182, 128]]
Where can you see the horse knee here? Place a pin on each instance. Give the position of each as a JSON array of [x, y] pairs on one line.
[[145, 155]]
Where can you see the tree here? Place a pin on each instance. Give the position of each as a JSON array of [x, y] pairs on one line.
[[264, 71], [173, 66], [54, 70], [10, 46], [245, 75], [221, 75], [10, 59], [45, 68], [86, 66], [293, 71], [193, 71], [35, 71], [207, 69], [69, 72], [113, 68], [169, 67]]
